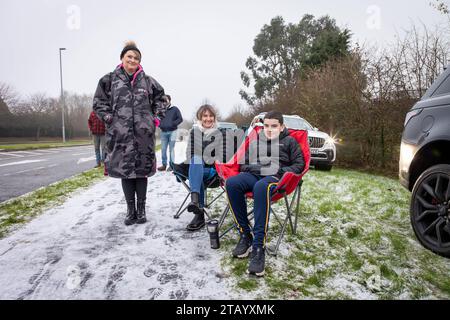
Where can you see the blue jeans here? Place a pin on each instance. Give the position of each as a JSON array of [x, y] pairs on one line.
[[168, 139], [99, 145], [262, 188], [197, 175]]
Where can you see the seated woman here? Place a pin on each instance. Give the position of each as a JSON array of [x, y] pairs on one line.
[[206, 144]]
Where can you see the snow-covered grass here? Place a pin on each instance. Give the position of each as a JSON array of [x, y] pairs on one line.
[[354, 241]]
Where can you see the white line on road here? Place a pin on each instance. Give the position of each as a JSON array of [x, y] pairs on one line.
[[23, 171], [13, 154], [29, 152], [21, 162], [34, 169], [81, 160], [80, 154], [49, 151], [73, 149]]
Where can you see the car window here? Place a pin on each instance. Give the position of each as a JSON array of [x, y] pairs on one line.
[[227, 125], [444, 88], [296, 123]]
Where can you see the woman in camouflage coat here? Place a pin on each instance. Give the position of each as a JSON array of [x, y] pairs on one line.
[[130, 103]]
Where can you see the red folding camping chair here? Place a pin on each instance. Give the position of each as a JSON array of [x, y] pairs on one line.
[[288, 184]]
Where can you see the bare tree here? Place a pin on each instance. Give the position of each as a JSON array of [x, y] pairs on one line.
[[38, 106], [9, 95]]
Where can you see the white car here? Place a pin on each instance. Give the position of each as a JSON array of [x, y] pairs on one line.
[[322, 146]]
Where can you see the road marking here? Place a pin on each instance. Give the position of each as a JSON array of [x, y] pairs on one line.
[[49, 151], [34, 169], [29, 152], [81, 160], [14, 155], [73, 149], [80, 154], [21, 162], [23, 171]]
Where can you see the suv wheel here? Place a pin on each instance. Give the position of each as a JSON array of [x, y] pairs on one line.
[[430, 209], [323, 167]]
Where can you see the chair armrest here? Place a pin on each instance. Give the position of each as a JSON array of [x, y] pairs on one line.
[[226, 170], [288, 182]]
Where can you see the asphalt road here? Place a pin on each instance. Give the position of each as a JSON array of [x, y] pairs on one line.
[[25, 171]]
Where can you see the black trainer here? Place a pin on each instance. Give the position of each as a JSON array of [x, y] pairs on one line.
[[197, 223], [140, 215], [257, 262], [131, 217], [244, 246]]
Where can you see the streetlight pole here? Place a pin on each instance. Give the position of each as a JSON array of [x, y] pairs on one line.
[[62, 95]]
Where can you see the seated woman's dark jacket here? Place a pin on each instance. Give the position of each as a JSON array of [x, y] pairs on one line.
[[211, 146]]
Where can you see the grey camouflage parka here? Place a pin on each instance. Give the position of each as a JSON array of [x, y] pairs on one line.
[[130, 137]]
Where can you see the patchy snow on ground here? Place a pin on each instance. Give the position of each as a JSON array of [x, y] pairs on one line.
[[83, 250], [354, 241]]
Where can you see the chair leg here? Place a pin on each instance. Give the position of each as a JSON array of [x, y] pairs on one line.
[[214, 200], [250, 216], [280, 237], [288, 219], [224, 215], [297, 207], [180, 209], [289, 212], [207, 214]]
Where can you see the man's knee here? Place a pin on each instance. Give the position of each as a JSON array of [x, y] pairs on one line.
[[260, 186], [231, 183]]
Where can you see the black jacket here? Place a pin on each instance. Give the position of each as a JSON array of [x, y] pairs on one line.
[[171, 120], [273, 157], [210, 146]]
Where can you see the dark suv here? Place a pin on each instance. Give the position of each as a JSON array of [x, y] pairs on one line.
[[424, 166]]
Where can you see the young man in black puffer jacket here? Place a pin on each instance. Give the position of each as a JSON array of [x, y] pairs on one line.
[[267, 158]]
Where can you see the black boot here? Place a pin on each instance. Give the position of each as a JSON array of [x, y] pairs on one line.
[[140, 216], [131, 213], [198, 222], [194, 205]]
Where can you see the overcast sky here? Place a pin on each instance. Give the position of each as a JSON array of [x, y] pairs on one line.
[[196, 49]]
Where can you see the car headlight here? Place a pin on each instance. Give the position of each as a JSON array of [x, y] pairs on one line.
[[411, 114], [406, 156], [330, 141]]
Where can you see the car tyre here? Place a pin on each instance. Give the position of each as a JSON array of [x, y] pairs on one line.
[[430, 209]]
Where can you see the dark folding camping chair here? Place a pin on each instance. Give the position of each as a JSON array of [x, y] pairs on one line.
[[288, 184], [181, 172]]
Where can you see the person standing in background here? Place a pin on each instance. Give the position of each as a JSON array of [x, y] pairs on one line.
[[97, 128], [169, 126]]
